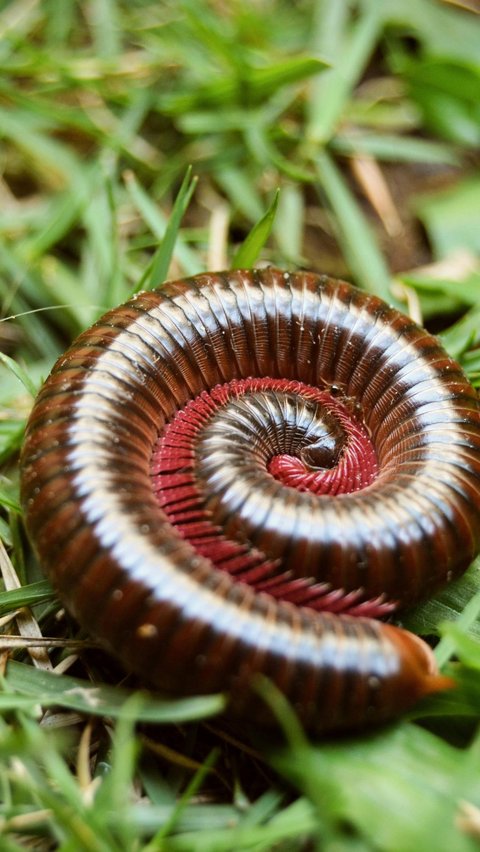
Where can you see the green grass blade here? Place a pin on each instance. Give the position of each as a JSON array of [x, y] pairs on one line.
[[20, 373], [463, 334], [105, 27], [191, 790], [249, 86], [263, 82], [389, 785], [60, 690], [34, 593], [246, 256], [386, 146], [446, 647], [330, 98], [354, 233], [446, 605], [160, 265], [463, 646], [157, 221]]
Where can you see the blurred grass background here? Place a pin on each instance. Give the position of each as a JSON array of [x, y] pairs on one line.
[[337, 136]]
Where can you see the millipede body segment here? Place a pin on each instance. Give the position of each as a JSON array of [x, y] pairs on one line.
[[229, 475]]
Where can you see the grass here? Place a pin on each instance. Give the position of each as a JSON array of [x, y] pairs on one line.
[[142, 140]]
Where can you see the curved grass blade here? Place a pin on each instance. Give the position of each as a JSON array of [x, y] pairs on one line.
[[246, 256], [355, 235], [157, 270], [20, 373], [48, 689], [34, 593]]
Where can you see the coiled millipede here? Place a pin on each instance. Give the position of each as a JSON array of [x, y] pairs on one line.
[[230, 475]]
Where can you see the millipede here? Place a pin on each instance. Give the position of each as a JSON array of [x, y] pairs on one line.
[[239, 474]]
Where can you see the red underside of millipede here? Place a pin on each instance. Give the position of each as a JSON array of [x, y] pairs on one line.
[[180, 497]]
